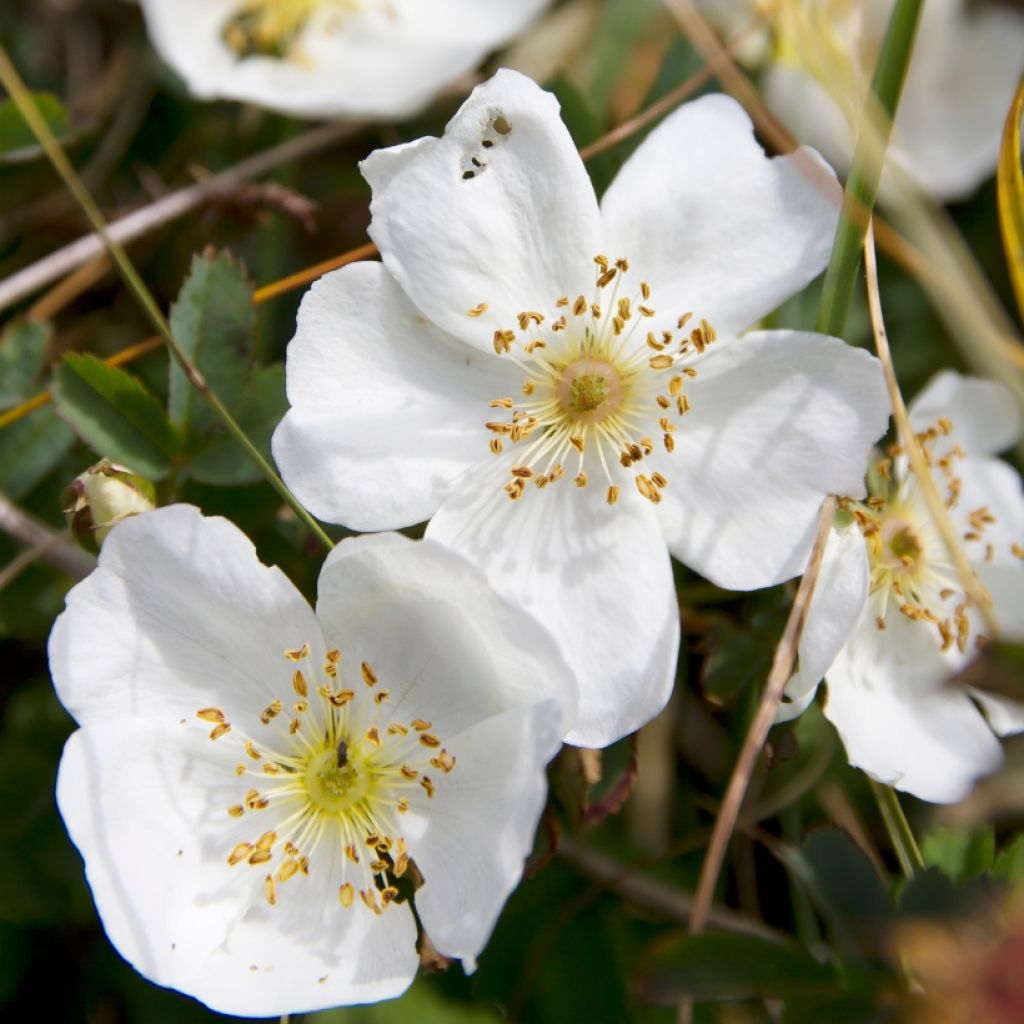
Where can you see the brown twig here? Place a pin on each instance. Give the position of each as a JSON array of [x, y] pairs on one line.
[[778, 676], [653, 895], [169, 208], [908, 439], [42, 542], [660, 107]]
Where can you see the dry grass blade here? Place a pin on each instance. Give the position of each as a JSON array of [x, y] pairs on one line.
[[22, 284], [778, 676], [918, 462]]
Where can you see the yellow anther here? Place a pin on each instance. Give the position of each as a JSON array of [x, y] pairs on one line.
[[239, 853], [346, 894], [210, 714], [289, 869], [270, 712], [478, 310]]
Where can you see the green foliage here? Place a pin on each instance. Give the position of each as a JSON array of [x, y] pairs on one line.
[[17, 143], [22, 351], [30, 449], [113, 413], [721, 966], [212, 321], [961, 854], [421, 1004]]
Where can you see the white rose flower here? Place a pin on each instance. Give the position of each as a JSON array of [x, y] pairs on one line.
[[251, 781], [966, 63], [524, 369], [330, 58], [889, 622]]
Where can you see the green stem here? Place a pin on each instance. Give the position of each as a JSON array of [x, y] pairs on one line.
[[26, 106], [866, 167], [907, 851]]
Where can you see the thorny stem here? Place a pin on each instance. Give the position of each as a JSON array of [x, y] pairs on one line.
[[26, 106], [866, 169], [908, 439], [900, 833]]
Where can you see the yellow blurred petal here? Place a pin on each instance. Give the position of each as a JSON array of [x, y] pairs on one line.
[[1010, 190]]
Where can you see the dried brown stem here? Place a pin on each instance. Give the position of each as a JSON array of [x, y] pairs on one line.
[[22, 284], [653, 895], [908, 439], [43, 542], [778, 676]]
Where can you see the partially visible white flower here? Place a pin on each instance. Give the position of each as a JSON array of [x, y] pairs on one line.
[[251, 782], [967, 60], [563, 387], [330, 58], [889, 622]]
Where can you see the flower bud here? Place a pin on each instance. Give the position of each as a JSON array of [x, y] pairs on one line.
[[101, 497]]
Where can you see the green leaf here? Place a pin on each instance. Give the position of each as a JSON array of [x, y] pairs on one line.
[[30, 449], [422, 1003], [960, 853], [22, 351], [931, 893], [115, 415], [1009, 864], [720, 966], [258, 410], [212, 321], [17, 143]]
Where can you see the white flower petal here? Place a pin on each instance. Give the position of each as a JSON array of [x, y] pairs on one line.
[[898, 721], [597, 576], [779, 420], [387, 411], [714, 223], [447, 647], [515, 230], [996, 486], [383, 61], [180, 615], [481, 827], [984, 415], [138, 803], [967, 61], [187, 35], [836, 605], [809, 112], [1005, 584]]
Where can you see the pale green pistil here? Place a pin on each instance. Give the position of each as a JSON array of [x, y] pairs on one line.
[[333, 787], [589, 392]]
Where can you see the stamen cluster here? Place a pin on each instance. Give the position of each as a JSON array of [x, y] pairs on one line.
[[335, 768], [596, 380]]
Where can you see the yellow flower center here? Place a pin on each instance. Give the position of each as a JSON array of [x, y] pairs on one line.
[[911, 567], [334, 767], [272, 28], [598, 380]]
